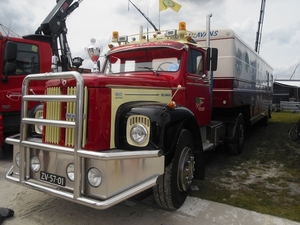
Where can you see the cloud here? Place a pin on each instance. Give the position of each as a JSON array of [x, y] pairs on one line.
[[280, 42]]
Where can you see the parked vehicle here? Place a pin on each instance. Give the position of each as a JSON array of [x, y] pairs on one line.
[[31, 54], [144, 121]]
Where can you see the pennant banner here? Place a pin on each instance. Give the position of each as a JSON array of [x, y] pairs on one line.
[[165, 4]]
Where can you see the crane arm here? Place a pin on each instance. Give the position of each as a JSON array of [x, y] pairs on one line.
[[54, 26], [260, 25]]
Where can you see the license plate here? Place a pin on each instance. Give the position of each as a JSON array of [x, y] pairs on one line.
[[53, 178]]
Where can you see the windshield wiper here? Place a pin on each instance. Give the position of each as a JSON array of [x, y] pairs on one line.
[[150, 69]]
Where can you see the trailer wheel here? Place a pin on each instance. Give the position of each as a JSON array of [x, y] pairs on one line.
[[236, 147], [172, 187]]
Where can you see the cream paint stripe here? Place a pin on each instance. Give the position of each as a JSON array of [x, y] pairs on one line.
[[120, 96]]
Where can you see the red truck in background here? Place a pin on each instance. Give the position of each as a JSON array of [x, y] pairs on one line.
[[19, 57], [31, 54], [144, 121]]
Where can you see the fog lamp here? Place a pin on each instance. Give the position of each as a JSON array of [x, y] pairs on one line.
[[35, 164], [94, 177], [17, 159], [70, 171]]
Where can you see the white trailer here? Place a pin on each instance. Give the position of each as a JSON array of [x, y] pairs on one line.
[[243, 79]]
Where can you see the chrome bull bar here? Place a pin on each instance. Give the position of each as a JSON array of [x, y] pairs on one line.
[[23, 143]]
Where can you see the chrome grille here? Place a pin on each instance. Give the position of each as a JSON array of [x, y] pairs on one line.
[[54, 112]]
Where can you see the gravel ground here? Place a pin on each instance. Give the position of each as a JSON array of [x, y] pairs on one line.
[[35, 208]]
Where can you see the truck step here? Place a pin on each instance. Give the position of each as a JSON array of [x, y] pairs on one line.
[[207, 146]]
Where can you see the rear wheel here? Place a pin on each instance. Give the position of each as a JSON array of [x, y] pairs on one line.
[[172, 187], [294, 132], [236, 147]]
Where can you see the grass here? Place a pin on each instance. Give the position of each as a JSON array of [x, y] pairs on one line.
[[265, 178]]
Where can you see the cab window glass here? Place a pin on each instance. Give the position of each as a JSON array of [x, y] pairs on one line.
[[27, 59], [195, 62]]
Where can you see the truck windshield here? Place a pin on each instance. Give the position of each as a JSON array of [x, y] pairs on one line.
[[147, 59]]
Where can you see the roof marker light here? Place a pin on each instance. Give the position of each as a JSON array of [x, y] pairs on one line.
[[115, 35]]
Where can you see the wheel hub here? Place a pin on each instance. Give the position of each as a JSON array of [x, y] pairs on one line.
[[186, 169]]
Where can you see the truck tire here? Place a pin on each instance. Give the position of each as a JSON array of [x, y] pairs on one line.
[[235, 148], [173, 186]]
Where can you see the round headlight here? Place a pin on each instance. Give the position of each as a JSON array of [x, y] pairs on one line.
[[17, 159], [39, 128], [94, 177], [138, 133], [70, 171], [38, 115], [35, 164]]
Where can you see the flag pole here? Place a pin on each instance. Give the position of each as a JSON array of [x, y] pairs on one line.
[[158, 15], [144, 16]]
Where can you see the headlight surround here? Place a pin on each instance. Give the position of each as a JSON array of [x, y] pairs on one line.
[[138, 130], [70, 171], [94, 177], [35, 164], [38, 128]]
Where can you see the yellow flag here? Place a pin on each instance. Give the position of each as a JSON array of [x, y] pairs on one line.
[[164, 4]]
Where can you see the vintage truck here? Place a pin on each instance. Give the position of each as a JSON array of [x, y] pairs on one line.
[[144, 121]]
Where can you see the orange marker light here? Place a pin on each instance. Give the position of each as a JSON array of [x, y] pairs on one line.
[[182, 26], [172, 104], [115, 34]]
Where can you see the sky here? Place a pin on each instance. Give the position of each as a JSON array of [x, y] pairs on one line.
[[280, 41]]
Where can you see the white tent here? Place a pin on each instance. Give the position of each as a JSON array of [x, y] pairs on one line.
[[291, 83]]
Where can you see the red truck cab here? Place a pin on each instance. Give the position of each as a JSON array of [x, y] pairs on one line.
[[19, 57]]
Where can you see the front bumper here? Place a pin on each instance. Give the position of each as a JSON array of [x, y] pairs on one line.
[[124, 173]]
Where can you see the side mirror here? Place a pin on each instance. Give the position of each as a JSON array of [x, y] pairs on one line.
[[211, 59], [11, 50], [10, 55]]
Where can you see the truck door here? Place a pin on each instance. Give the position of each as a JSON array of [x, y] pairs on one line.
[[198, 91], [26, 62]]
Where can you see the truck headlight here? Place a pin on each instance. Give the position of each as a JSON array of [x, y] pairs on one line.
[[38, 128], [94, 177], [138, 133], [138, 130], [35, 164]]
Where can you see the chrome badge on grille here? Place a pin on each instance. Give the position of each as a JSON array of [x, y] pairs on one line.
[[70, 115]]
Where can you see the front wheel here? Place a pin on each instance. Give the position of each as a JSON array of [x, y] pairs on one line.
[[172, 187], [294, 132]]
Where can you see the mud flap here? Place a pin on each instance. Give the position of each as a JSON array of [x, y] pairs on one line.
[[199, 166]]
